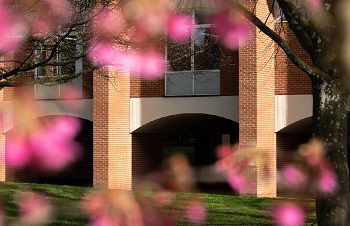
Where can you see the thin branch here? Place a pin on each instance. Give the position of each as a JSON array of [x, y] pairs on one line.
[[312, 71]]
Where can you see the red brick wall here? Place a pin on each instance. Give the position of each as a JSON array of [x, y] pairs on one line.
[[112, 138], [100, 129], [229, 73], [147, 88], [257, 99], [289, 78]]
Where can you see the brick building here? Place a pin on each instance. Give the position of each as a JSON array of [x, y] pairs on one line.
[[130, 125]]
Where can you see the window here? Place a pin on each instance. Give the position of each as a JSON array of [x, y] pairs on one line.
[[64, 53], [194, 64]]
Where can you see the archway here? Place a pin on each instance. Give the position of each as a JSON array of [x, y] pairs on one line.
[[195, 135]]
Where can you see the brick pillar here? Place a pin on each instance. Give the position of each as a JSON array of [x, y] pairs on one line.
[[112, 138], [257, 99]]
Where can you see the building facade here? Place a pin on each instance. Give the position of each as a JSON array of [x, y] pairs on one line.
[[130, 125]]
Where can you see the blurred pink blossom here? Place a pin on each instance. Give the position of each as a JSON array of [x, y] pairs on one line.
[[34, 209], [288, 214], [103, 53], [149, 64], [327, 182], [224, 151], [196, 212], [49, 14], [17, 153], [163, 197], [48, 148], [237, 181], [314, 4], [179, 27], [12, 30], [293, 176], [108, 23], [102, 221], [231, 29]]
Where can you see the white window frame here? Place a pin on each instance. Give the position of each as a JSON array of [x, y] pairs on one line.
[[78, 68], [192, 71]]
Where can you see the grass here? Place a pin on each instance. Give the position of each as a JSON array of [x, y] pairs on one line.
[[222, 209]]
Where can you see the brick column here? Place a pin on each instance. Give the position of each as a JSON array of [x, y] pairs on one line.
[[257, 99], [112, 138]]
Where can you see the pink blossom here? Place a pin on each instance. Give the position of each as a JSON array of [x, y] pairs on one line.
[[288, 214], [102, 221], [326, 181], [108, 23], [49, 14], [53, 146], [314, 4], [224, 151], [18, 153], [293, 176], [232, 30], [103, 53], [12, 30], [34, 209], [151, 65], [196, 212], [47, 148], [179, 27], [237, 181], [163, 197], [148, 64]]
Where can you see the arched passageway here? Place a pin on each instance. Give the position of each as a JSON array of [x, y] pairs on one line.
[[195, 135]]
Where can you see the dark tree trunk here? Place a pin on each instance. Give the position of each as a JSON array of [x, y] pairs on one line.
[[330, 125]]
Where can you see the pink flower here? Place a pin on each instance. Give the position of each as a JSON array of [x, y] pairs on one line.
[[232, 30], [48, 148], [224, 151], [18, 153], [108, 23], [236, 181], [49, 14], [326, 181], [152, 65], [179, 27], [293, 176], [196, 212], [314, 4], [12, 30], [34, 209], [103, 53], [54, 146], [102, 221], [288, 214]]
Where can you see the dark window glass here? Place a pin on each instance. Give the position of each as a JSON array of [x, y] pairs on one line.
[[206, 50], [179, 56]]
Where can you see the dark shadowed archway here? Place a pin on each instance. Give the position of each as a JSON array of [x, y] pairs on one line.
[[195, 135]]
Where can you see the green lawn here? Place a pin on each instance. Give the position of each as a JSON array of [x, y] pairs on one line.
[[222, 209]]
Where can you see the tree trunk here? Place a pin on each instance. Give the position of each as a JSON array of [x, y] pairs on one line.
[[330, 125]]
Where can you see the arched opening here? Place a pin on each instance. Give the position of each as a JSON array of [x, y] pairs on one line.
[[288, 141], [195, 135], [79, 173]]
